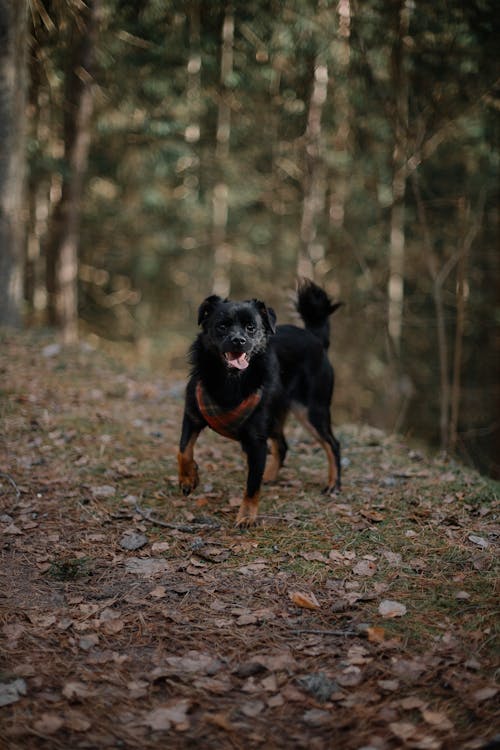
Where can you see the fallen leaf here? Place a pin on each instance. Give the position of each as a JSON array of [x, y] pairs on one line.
[[157, 720], [146, 567], [484, 694], [254, 567], [290, 693], [316, 717], [304, 599], [194, 661], [74, 690], [252, 708], [108, 614], [12, 529], [408, 670], [158, 593], [41, 621], [437, 719], [372, 515], [13, 631], [48, 723], [25, 669], [478, 540], [275, 701], [375, 634], [160, 546], [112, 627], [87, 642], [104, 491], [411, 703], [132, 540], [314, 556], [425, 742], [403, 729], [364, 568], [342, 557], [220, 720], [270, 683], [393, 558], [76, 721], [389, 685], [214, 685], [358, 655], [389, 608], [350, 677], [247, 620]]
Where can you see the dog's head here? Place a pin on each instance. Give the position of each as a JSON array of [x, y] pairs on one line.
[[236, 330]]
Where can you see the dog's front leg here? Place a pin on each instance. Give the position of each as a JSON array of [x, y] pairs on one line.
[[188, 468], [256, 451]]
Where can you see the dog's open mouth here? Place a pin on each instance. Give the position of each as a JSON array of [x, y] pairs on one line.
[[239, 360]]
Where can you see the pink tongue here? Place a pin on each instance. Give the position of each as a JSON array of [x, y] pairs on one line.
[[239, 361]]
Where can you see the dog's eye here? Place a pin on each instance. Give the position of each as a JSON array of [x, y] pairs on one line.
[[221, 327], [251, 327]]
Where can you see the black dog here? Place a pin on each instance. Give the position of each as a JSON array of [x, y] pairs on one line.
[[247, 374]]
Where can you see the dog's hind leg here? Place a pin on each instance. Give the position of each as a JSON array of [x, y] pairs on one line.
[[188, 468], [279, 447], [256, 451], [318, 423]]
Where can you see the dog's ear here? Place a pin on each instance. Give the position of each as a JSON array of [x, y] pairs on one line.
[[207, 307], [335, 306], [267, 314]]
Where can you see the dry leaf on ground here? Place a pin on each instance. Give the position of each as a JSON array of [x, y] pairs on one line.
[[304, 599], [389, 608]]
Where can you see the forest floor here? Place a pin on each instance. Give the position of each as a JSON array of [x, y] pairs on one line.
[[132, 617]]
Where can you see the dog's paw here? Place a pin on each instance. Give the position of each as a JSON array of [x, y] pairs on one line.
[[247, 514], [188, 483], [188, 476], [331, 489]]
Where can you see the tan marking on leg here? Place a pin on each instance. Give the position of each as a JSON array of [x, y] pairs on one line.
[[188, 468], [301, 415], [247, 514], [273, 463], [332, 466]]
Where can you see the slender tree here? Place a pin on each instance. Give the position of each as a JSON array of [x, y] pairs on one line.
[[341, 53], [13, 86], [395, 289], [222, 249], [63, 235]]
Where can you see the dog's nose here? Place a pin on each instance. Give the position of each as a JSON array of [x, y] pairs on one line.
[[238, 340]]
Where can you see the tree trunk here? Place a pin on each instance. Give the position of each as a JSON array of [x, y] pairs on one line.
[[468, 237], [312, 249], [222, 249], [192, 132], [395, 289], [63, 236], [13, 77], [341, 49]]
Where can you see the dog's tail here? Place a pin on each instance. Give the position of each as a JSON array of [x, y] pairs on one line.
[[315, 307]]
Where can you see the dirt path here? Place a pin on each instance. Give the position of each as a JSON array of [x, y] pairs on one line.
[[363, 620]]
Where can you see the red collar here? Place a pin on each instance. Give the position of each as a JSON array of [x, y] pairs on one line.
[[226, 422]]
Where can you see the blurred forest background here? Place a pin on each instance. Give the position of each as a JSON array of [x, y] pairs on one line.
[[155, 151]]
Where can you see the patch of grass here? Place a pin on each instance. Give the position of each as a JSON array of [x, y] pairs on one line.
[[70, 569]]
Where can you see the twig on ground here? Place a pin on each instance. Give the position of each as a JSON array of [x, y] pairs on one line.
[[311, 631], [187, 528]]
